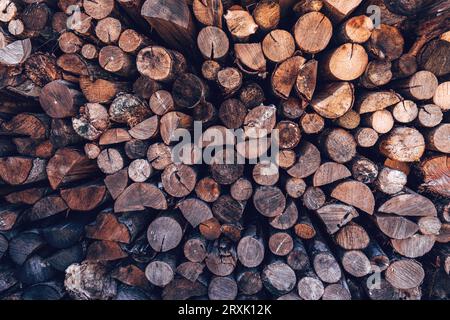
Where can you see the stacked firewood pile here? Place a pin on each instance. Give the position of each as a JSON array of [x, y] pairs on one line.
[[94, 205]]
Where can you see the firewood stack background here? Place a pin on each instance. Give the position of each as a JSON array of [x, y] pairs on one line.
[[94, 207]]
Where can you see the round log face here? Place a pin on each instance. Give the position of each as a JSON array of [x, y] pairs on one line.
[[224, 149]]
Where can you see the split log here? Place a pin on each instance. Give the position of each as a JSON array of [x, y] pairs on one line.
[[420, 86], [304, 228], [160, 64], [59, 99], [435, 175], [240, 23], [213, 43], [208, 12], [287, 219], [413, 205], [68, 165]]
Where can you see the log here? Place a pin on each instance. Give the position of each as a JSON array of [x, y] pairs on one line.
[[356, 194], [240, 23], [405, 274], [285, 76], [195, 211], [213, 43], [269, 201], [304, 228], [138, 196], [85, 197], [357, 29], [378, 73], [414, 246], [161, 270], [347, 62], [287, 219], [338, 9], [376, 100], [165, 232], [432, 57], [278, 278], [114, 136], [222, 288], [173, 21], [111, 227], [339, 145], [278, 45], [249, 281], [334, 100], [438, 138], [110, 161], [310, 287], [89, 280], [364, 170], [441, 95], [386, 42], [280, 243], [403, 144], [356, 263], [330, 172], [250, 249], [305, 84], [210, 68], [324, 263], [113, 59], [335, 216], [136, 149], [208, 12], [160, 64], [221, 262], [307, 163], [429, 116], [188, 91], [21, 170], [313, 198], [413, 205], [381, 121], [391, 181], [352, 237], [313, 32], [59, 99], [24, 245], [420, 86], [108, 30], [241, 189], [435, 177]]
